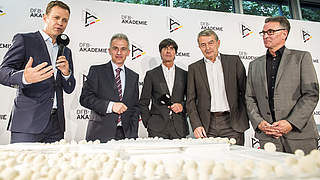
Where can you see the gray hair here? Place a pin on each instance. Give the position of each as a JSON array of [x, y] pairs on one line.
[[280, 19], [208, 32], [119, 36]]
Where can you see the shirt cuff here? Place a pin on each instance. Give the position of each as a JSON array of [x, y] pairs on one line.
[[67, 77], [24, 80], [109, 109]]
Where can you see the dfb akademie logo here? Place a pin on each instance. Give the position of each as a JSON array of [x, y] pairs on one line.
[[207, 25], [136, 51], [127, 19], [89, 17], [306, 35], [245, 30], [173, 24], [36, 12], [2, 11]]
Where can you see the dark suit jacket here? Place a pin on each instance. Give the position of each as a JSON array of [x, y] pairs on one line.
[[98, 90], [154, 87], [33, 103], [199, 95], [296, 94]]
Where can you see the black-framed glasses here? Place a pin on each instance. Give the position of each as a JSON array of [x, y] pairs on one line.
[[269, 32]]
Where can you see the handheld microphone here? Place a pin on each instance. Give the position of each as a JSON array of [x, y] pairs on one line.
[[62, 41], [165, 99]]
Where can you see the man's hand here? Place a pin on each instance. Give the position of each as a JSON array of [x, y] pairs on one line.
[[199, 132], [38, 73], [283, 126], [176, 107], [269, 129], [119, 107], [63, 65]]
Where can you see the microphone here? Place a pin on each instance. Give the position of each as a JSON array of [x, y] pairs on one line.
[[62, 41], [165, 99]]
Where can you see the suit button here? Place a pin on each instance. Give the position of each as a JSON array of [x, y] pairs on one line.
[[268, 113], [51, 99]]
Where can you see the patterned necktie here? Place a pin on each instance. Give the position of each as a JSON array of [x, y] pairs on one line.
[[118, 83]]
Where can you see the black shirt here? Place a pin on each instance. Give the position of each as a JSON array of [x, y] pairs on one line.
[[272, 66]]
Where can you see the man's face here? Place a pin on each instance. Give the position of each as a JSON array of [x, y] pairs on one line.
[[56, 21], [119, 51], [276, 40], [209, 46], [168, 54]]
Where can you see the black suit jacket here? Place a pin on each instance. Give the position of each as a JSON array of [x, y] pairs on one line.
[[199, 95], [154, 87], [33, 103], [98, 90]]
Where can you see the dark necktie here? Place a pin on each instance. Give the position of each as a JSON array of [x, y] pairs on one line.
[[118, 83]]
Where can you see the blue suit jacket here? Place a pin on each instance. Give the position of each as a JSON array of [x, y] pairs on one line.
[[33, 103], [98, 90]]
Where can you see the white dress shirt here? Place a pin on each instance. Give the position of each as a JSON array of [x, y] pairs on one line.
[[219, 102], [169, 75]]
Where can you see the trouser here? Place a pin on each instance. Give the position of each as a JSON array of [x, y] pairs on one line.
[[50, 134], [220, 126]]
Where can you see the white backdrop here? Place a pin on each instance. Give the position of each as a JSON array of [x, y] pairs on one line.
[[92, 23]]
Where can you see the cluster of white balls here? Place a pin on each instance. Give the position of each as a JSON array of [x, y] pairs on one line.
[[209, 140], [70, 164]]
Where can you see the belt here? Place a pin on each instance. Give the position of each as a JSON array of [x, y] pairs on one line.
[[53, 111], [218, 114]]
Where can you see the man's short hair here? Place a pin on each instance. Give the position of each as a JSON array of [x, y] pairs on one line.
[[208, 32], [280, 19], [168, 42], [120, 36], [57, 3]]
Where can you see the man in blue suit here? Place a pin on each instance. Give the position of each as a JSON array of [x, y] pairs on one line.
[[111, 93], [31, 65]]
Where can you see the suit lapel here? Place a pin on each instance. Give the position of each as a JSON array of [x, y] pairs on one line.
[[177, 81], [43, 49], [263, 72], [162, 81], [203, 73], [283, 63], [109, 76]]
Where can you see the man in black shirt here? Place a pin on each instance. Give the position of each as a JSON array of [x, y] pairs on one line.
[[282, 92]]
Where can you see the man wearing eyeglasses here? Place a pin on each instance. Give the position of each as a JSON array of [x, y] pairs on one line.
[[216, 92], [282, 92], [111, 93]]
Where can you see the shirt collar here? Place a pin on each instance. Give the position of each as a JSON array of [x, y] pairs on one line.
[[114, 66], [166, 68], [46, 37], [218, 58], [279, 52]]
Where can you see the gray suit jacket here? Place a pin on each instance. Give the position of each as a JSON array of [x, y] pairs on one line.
[[199, 95], [154, 87], [295, 96]]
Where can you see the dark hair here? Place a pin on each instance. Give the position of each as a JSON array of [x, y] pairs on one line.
[[166, 43], [208, 32], [280, 19], [57, 3]]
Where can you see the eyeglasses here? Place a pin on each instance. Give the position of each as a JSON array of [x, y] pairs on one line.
[[270, 32]]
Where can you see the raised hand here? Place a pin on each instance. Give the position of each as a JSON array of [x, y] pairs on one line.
[[38, 73]]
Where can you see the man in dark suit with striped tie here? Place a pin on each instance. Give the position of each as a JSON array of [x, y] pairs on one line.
[[111, 93]]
